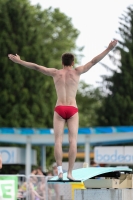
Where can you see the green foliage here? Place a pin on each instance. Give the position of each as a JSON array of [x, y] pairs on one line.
[[49, 155], [117, 107], [27, 97], [88, 100]]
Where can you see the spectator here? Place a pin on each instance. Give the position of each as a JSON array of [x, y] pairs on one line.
[[29, 189], [55, 170], [94, 164], [41, 172], [0, 161], [49, 173], [56, 186]]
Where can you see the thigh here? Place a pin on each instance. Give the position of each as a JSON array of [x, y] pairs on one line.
[[58, 124], [73, 124]]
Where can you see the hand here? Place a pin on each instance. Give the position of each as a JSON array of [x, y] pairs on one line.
[[14, 58], [112, 44]]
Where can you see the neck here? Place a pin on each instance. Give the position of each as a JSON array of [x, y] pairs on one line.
[[67, 67]]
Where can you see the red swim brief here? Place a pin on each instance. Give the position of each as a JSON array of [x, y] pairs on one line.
[[66, 111]]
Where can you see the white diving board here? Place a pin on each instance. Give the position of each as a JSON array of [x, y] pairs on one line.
[[84, 174]]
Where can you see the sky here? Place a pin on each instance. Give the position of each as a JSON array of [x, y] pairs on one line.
[[97, 21]]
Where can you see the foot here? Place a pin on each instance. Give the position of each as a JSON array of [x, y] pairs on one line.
[[70, 177], [60, 176]]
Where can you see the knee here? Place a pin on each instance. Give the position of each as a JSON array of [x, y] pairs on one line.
[[58, 143], [72, 142]]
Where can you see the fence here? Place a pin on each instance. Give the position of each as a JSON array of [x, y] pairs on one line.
[[20, 187]]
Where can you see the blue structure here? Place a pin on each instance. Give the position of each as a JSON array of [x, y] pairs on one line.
[[89, 130], [86, 130], [86, 136]]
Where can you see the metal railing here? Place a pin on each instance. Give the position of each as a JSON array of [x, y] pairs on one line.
[[33, 187]]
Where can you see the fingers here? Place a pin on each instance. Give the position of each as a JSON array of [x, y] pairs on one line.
[[113, 43], [11, 56]]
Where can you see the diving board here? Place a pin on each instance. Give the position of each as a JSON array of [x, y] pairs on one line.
[[83, 174]]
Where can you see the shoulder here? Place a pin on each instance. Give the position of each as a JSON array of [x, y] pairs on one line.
[[50, 71], [78, 69]]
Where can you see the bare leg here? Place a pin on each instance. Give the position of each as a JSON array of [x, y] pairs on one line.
[[58, 133], [73, 130]]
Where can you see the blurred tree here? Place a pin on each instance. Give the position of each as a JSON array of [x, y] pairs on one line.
[[88, 100], [27, 97], [117, 106], [49, 155]]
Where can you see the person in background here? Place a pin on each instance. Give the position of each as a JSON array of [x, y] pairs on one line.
[[0, 161], [55, 169], [94, 164], [40, 171], [56, 186]]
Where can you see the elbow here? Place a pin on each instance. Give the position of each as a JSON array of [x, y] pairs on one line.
[[93, 61], [35, 67]]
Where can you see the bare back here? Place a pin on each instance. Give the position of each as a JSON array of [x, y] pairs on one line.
[[66, 83]]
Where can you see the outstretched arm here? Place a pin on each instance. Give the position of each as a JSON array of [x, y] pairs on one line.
[[42, 69], [95, 60]]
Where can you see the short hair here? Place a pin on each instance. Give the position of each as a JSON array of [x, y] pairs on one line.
[[67, 59]]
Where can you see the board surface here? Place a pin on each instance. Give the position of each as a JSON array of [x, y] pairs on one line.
[[83, 174]]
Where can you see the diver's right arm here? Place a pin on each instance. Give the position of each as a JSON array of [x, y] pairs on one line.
[[42, 69]]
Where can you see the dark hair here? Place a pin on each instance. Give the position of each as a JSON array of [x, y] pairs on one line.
[[67, 59], [92, 162]]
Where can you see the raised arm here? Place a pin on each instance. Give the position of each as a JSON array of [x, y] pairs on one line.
[[95, 60], [42, 69]]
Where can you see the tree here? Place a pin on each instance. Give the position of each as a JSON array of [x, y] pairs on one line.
[[117, 106], [88, 100], [27, 97]]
